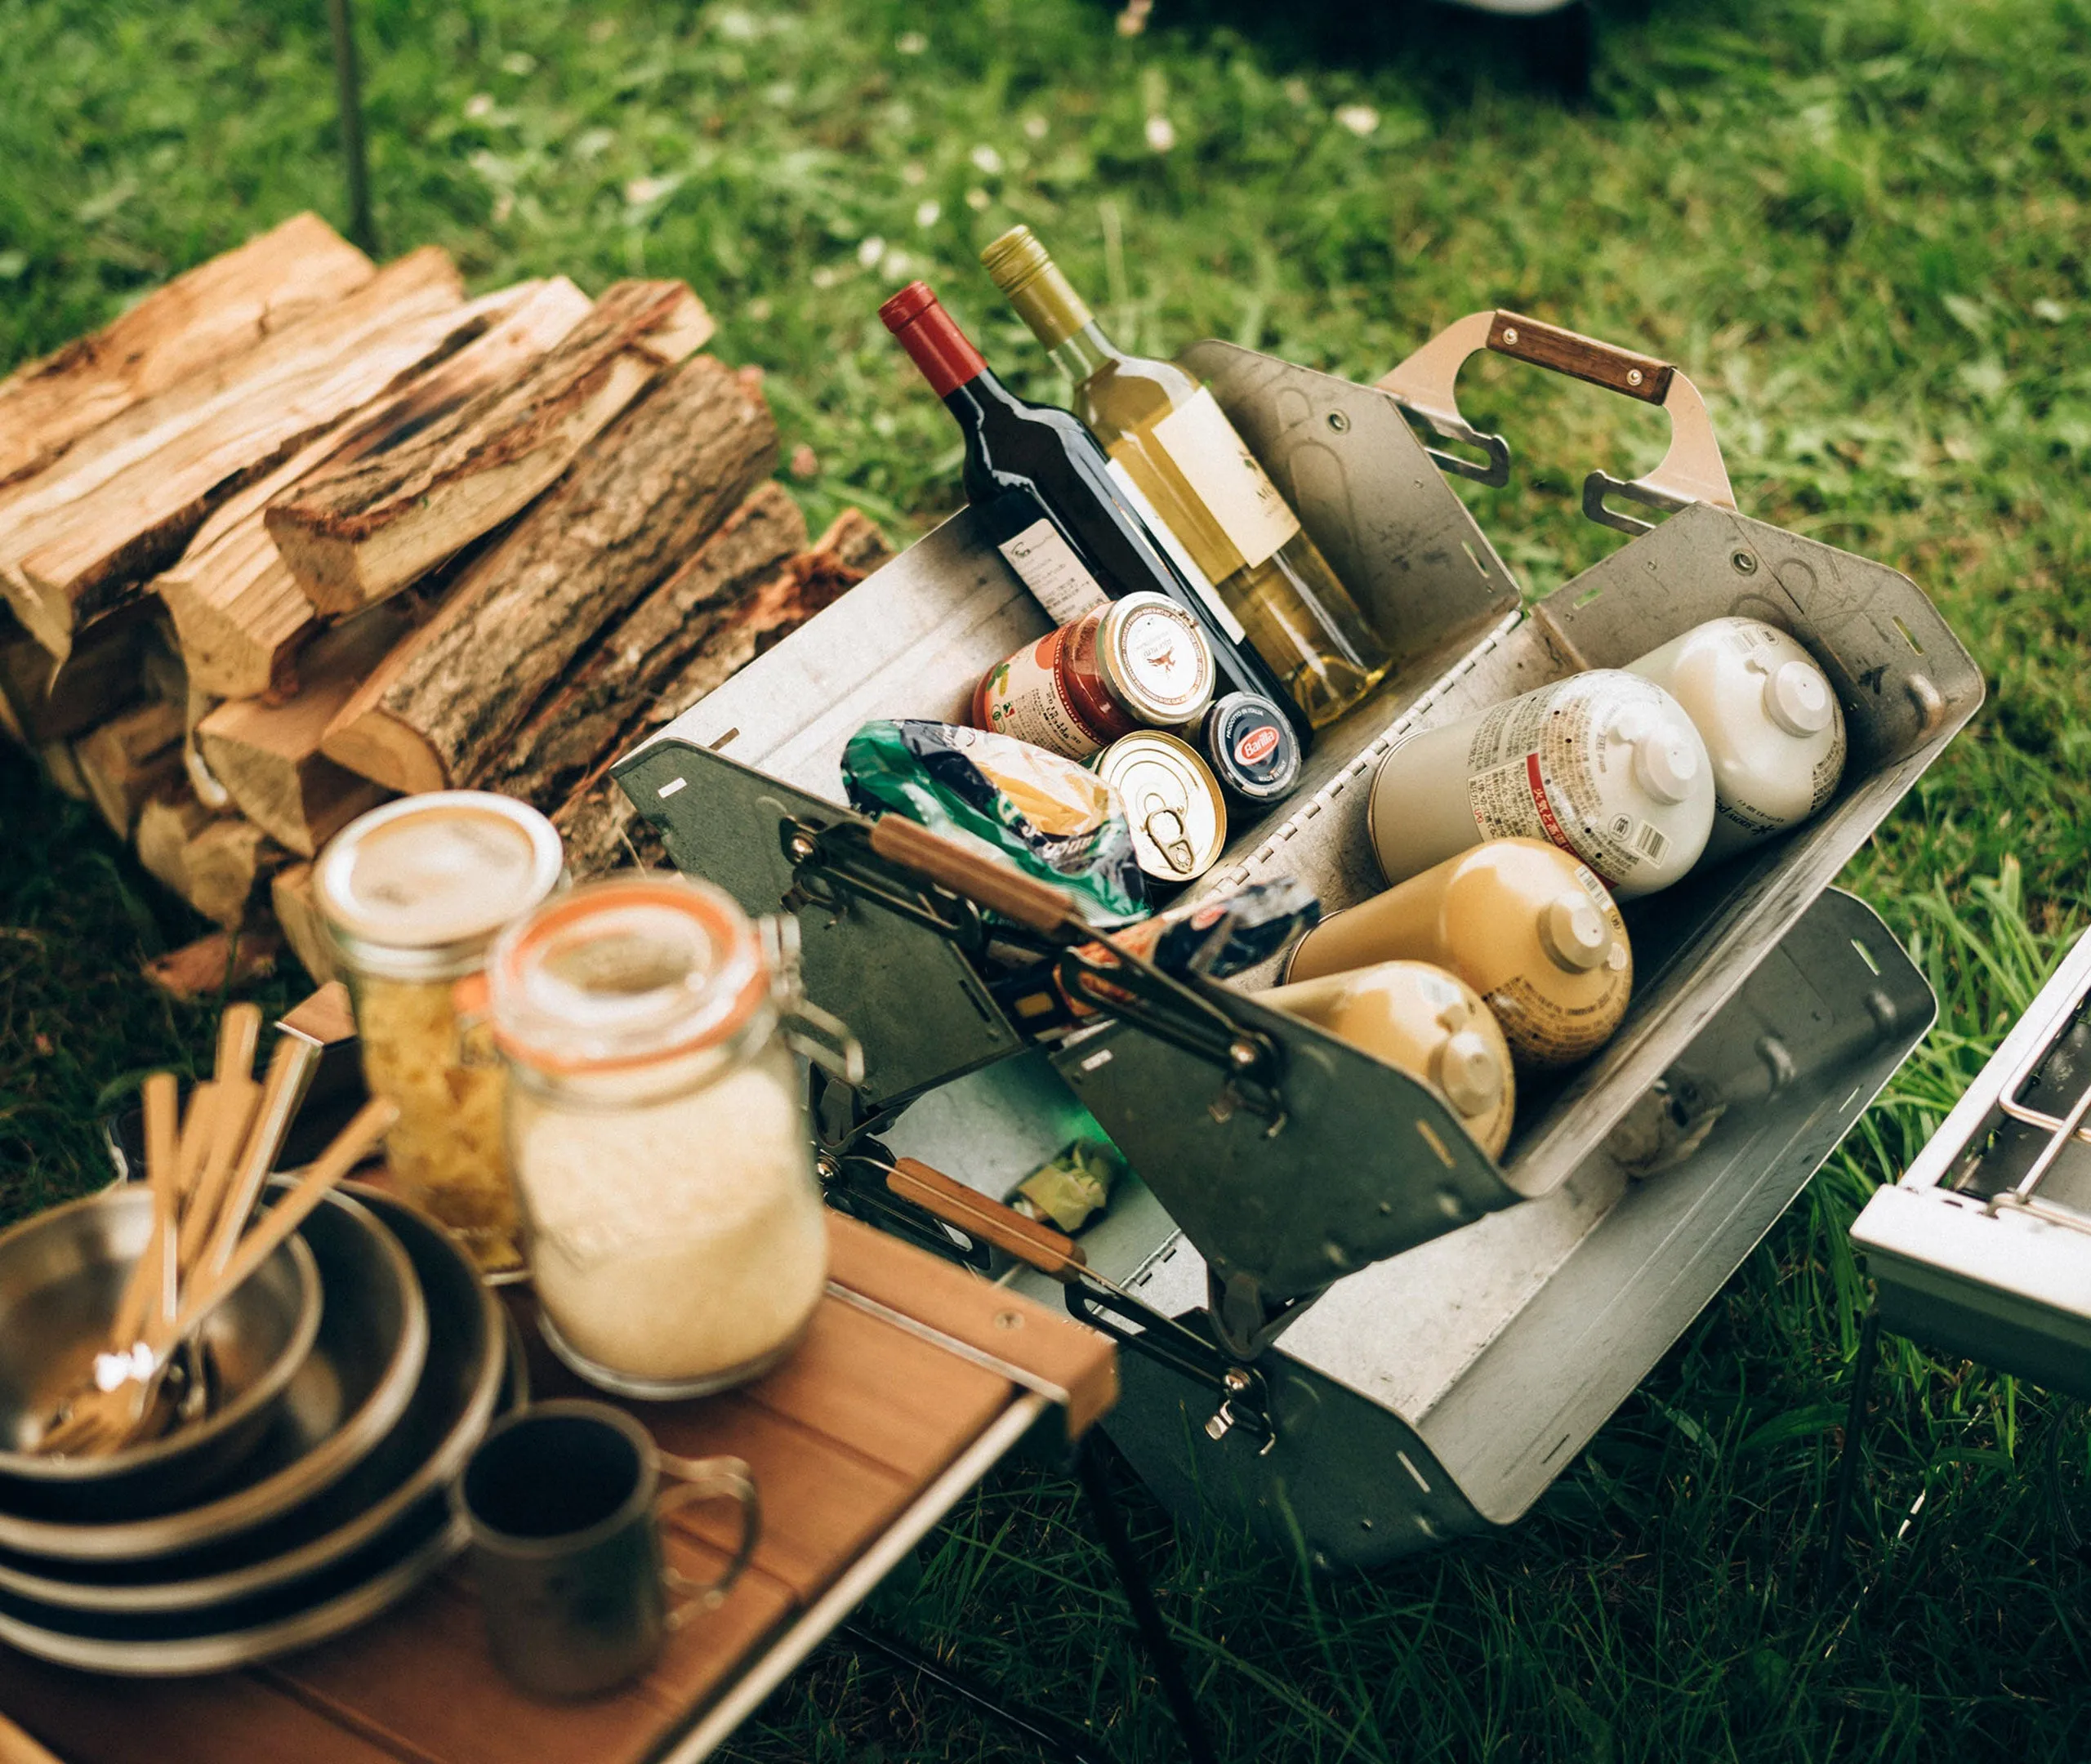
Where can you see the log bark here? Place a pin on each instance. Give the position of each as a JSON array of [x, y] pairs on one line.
[[576, 726], [601, 829], [129, 759], [843, 556], [290, 895], [240, 613], [215, 862], [75, 541], [639, 499], [215, 965], [44, 700], [267, 756], [204, 316], [355, 531]]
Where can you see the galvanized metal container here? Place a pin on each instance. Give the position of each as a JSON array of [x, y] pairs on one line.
[[1422, 1337]]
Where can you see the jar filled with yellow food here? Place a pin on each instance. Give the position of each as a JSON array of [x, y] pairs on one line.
[[413, 895]]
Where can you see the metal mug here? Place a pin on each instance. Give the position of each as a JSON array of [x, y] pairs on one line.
[[564, 1504]]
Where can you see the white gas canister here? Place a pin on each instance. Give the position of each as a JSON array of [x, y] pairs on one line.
[[1772, 726], [1604, 764]]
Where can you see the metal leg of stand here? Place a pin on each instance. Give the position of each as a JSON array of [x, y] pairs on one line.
[[1053, 1738], [1847, 1462], [349, 81], [1160, 1649]]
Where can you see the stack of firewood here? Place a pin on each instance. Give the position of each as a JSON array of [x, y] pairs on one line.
[[297, 533]]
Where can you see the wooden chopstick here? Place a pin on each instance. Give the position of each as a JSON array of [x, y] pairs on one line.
[[162, 1097], [290, 1069], [349, 1148]]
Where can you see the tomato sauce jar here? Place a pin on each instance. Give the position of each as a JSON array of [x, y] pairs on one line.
[[1139, 662]]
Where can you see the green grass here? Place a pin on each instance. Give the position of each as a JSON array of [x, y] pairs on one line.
[[1862, 228]]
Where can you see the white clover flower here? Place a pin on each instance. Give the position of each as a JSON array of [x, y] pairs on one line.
[[642, 190], [479, 106], [914, 172], [1035, 127], [977, 200], [870, 251], [1360, 119], [928, 213], [911, 43], [1161, 133], [986, 160]]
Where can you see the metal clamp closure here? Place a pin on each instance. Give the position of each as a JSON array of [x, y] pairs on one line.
[[1244, 1398], [833, 866]]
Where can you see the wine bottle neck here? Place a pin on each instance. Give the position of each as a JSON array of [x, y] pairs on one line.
[[1085, 352]]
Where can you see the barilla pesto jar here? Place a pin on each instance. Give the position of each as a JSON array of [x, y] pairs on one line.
[[1141, 662]]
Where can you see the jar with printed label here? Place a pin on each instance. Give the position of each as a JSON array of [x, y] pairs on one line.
[[1138, 662], [656, 1123], [1771, 724], [1604, 764], [413, 895]]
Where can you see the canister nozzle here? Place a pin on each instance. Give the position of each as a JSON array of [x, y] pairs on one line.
[[1797, 698], [1573, 931], [1468, 1072], [1665, 761]]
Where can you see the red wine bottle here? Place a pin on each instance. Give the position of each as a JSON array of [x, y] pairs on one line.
[[1046, 491]]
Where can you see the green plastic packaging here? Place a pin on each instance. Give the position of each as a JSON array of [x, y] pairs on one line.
[[1052, 818]]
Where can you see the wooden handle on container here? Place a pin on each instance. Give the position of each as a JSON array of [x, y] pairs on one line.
[[1000, 887], [290, 1069], [1050, 1252], [162, 1100], [1580, 357], [232, 1108]]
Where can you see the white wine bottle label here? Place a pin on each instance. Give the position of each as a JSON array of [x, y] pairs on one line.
[[1201, 583], [1047, 565], [1217, 463]]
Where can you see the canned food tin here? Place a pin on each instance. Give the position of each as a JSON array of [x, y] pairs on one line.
[[1141, 660], [1179, 816], [1252, 748]]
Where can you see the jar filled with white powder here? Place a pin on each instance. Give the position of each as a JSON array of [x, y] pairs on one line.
[[658, 1137]]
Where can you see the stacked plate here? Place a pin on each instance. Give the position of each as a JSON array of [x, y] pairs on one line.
[[339, 1509]]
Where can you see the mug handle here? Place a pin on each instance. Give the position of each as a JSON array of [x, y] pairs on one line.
[[703, 1479]]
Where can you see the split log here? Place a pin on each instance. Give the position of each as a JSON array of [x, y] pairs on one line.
[[129, 760], [61, 768], [126, 498], [203, 317], [639, 499], [355, 532], [215, 965], [43, 700], [601, 829], [574, 728], [215, 862], [267, 756], [240, 613], [843, 556], [290, 895]]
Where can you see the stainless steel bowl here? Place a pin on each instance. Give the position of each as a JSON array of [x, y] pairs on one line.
[[461, 1387], [62, 1275], [348, 1396]]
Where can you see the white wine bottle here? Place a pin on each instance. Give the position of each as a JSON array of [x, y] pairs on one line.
[[1169, 439]]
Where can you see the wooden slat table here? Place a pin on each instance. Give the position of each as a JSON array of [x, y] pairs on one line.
[[915, 1378]]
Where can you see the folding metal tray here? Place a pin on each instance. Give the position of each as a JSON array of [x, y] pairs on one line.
[[1364, 1165], [1984, 1247]]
